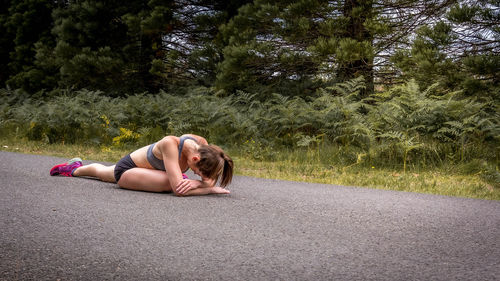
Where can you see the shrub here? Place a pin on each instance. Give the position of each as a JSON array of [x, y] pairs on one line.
[[403, 126]]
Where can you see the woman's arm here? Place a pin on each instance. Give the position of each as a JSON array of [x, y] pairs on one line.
[[170, 151], [186, 184], [205, 191]]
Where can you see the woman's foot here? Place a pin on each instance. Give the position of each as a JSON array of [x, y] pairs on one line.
[[66, 169]]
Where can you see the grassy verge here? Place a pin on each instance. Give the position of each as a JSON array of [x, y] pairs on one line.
[[440, 182], [447, 180]]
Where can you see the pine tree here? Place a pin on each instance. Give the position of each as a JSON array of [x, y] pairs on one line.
[[110, 46], [355, 46], [267, 47], [88, 43], [28, 23], [140, 46], [6, 41], [194, 46], [461, 51], [426, 61], [292, 47], [477, 25]]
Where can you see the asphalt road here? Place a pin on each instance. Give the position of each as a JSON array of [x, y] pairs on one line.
[[57, 228]]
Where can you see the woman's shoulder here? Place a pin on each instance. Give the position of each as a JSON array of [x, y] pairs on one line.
[[174, 140], [168, 140], [199, 139], [168, 145]]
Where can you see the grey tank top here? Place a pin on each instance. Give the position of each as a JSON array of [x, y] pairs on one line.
[[158, 163]]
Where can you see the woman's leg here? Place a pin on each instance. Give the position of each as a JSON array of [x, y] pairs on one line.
[[145, 180], [104, 173]]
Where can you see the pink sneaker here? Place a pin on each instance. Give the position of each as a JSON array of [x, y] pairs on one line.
[[66, 169]]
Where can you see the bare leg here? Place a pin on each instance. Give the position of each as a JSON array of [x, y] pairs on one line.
[[145, 180], [104, 173]]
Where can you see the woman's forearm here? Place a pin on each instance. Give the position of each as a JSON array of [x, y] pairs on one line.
[[206, 184], [186, 184], [198, 191], [205, 191]]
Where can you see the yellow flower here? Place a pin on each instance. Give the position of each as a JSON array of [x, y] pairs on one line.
[[106, 121], [125, 135], [105, 149]]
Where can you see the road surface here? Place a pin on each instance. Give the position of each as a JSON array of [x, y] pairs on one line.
[[57, 228]]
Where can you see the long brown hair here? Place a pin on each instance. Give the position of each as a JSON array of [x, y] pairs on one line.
[[215, 164]]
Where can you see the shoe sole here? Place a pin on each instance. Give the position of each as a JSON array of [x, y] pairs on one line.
[[76, 159]]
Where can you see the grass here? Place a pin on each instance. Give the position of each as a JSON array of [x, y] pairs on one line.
[[448, 180], [434, 182]]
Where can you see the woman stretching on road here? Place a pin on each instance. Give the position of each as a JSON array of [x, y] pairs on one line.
[[159, 167]]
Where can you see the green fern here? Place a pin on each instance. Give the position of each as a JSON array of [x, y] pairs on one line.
[[403, 126]]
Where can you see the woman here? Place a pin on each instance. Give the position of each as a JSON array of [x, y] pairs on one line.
[[159, 167]]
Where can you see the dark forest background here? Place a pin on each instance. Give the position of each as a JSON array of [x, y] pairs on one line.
[[286, 47]]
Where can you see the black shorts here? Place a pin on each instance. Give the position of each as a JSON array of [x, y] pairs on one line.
[[126, 163]]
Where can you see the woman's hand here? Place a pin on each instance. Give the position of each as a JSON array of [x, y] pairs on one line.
[[219, 190], [196, 187], [185, 185]]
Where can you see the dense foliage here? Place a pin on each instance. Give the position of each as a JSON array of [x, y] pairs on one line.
[[109, 46], [405, 82], [404, 124], [287, 47]]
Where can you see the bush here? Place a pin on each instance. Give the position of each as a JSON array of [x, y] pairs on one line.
[[403, 126]]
